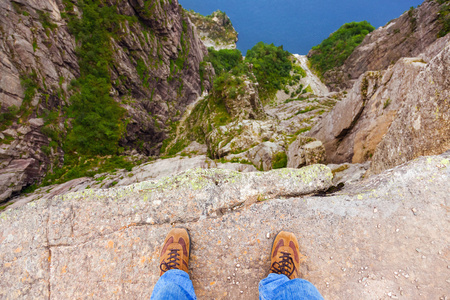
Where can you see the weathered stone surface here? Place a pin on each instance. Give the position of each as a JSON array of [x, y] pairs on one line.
[[386, 235], [245, 103], [407, 36], [348, 173], [215, 30], [148, 171], [263, 155], [403, 108], [305, 151], [422, 124]]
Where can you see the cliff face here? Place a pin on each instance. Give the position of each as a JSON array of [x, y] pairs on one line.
[[392, 116], [407, 36], [153, 71]]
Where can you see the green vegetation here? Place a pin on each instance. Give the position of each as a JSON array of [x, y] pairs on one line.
[[412, 18], [97, 119], [279, 160], [7, 117], [44, 18], [386, 103], [224, 60], [271, 66], [444, 17], [86, 166], [333, 51]]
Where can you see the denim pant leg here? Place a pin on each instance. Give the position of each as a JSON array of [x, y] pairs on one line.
[[174, 284], [277, 286]]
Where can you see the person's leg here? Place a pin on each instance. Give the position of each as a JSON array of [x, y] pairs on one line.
[[278, 286], [283, 281], [174, 282]]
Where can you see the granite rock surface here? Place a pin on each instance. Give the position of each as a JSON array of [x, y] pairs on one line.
[[385, 237]]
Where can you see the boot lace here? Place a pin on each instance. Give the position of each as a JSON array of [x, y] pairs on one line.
[[285, 266], [171, 262]]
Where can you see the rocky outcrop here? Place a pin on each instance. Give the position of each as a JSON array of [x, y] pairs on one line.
[[422, 124], [407, 36], [215, 30], [305, 151], [154, 73], [384, 237], [392, 116], [243, 102]]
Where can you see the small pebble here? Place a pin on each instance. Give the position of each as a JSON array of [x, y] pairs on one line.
[[414, 211], [397, 230], [423, 257], [229, 278], [375, 210], [237, 282], [229, 237], [268, 235], [238, 265], [242, 292]]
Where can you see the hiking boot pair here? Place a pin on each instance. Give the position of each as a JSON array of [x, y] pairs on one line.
[[285, 255]]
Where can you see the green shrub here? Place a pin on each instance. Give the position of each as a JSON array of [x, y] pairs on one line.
[[7, 117], [224, 60], [97, 118], [444, 17], [271, 66], [279, 160], [333, 51]]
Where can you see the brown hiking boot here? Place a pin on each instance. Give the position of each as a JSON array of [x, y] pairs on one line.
[[285, 255], [176, 251]]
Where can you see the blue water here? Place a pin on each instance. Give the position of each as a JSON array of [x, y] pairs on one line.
[[298, 25]]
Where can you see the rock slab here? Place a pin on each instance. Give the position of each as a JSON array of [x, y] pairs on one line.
[[388, 236]]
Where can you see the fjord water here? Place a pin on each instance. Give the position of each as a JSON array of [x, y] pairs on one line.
[[298, 25]]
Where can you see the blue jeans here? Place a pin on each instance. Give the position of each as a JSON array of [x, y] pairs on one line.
[[175, 284]]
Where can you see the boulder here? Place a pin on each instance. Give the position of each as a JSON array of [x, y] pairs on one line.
[[348, 173], [305, 151], [267, 156]]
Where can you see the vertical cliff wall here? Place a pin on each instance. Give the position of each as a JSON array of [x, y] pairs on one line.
[[143, 55]]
